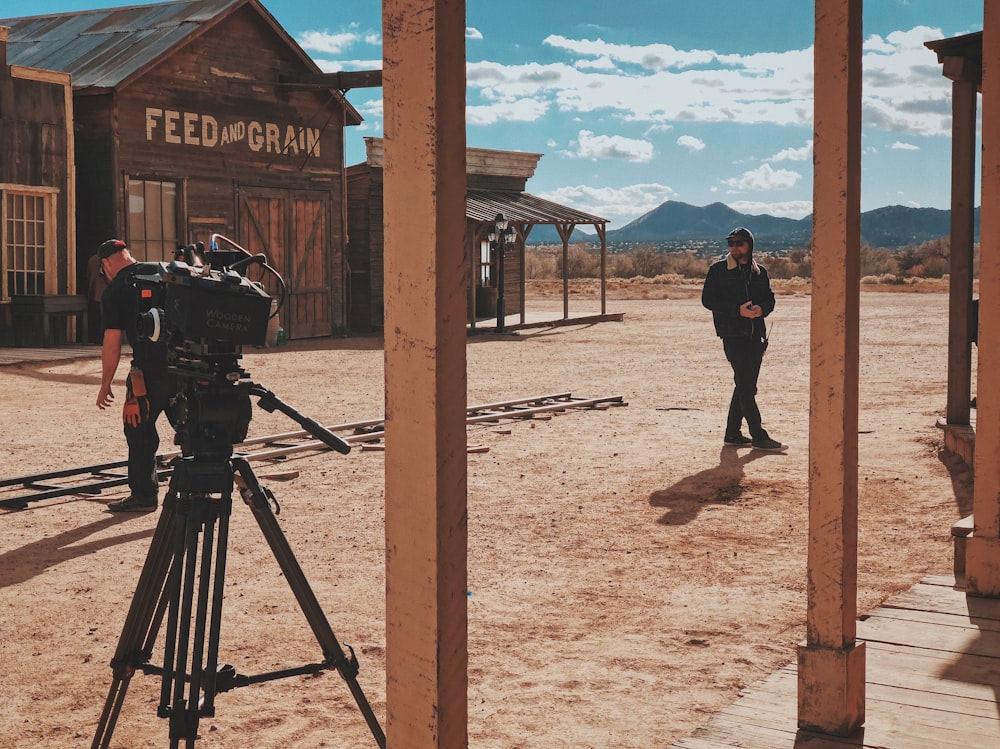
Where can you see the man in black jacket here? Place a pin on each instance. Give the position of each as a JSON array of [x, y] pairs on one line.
[[738, 292], [148, 387]]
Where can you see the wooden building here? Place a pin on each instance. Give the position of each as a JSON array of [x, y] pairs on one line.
[[38, 287], [495, 184], [197, 117]]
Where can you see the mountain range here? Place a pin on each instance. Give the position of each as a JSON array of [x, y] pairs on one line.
[[674, 222]]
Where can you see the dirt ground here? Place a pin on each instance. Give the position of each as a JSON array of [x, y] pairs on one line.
[[627, 574]]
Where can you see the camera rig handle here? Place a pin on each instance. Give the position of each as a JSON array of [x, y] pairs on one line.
[[271, 403]]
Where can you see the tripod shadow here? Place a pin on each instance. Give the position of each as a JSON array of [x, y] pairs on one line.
[[20, 565], [719, 485]]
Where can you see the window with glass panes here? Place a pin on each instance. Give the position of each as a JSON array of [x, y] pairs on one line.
[[152, 219], [24, 217]]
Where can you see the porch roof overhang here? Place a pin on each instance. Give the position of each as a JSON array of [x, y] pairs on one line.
[[961, 57], [482, 206]]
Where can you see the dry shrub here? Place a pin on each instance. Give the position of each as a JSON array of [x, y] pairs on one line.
[[878, 262], [540, 265], [580, 263]]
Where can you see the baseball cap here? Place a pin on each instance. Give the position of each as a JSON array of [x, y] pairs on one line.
[[109, 248], [740, 233]]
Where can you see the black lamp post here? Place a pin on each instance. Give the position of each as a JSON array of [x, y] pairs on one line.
[[501, 235]]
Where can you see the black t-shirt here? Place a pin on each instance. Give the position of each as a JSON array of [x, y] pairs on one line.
[[120, 310]]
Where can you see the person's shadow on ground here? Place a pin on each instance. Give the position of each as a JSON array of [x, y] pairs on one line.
[[718, 485], [22, 564]]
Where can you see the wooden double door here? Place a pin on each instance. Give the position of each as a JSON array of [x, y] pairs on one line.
[[292, 228]]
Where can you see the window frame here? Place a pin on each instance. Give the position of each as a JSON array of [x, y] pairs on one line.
[[49, 248], [142, 238]]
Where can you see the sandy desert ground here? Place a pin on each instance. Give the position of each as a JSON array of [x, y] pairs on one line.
[[627, 574]]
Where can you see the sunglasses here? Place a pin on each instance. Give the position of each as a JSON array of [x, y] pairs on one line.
[[736, 242]]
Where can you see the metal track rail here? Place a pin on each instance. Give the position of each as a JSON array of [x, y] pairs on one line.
[[17, 493]]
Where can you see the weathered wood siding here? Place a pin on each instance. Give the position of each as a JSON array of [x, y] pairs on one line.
[[256, 161], [35, 143], [365, 248]]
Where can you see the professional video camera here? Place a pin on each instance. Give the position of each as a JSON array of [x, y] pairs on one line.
[[204, 309], [200, 303]]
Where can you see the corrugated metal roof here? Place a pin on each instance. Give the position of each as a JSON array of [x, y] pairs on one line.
[[106, 48], [522, 207]]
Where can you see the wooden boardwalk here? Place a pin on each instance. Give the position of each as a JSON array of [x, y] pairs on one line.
[[933, 680]]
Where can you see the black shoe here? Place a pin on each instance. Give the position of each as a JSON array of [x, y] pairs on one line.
[[133, 504], [738, 440], [766, 443]]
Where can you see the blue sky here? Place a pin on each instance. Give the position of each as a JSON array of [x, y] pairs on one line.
[[641, 101]]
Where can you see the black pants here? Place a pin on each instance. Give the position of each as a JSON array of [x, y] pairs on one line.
[[143, 440], [745, 356]]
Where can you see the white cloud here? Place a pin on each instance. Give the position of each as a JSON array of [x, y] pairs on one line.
[[660, 127], [330, 44], [650, 56], [793, 154], [333, 66], [601, 63], [691, 143], [787, 209], [763, 178], [515, 110], [900, 146], [903, 91], [619, 204], [600, 147]]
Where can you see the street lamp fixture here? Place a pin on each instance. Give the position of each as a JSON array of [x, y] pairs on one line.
[[501, 235]]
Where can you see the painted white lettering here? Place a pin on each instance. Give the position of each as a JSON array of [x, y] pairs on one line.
[[209, 131], [191, 129], [291, 146], [273, 135], [153, 115], [312, 141], [170, 118], [205, 130], [255, 137]]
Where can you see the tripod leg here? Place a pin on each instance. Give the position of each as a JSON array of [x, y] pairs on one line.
[[141, 623], [256, 497], [187, 693]]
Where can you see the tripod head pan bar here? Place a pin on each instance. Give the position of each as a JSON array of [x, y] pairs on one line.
[[270, 403]]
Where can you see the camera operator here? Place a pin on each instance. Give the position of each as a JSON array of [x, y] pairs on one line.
[[148, 387]]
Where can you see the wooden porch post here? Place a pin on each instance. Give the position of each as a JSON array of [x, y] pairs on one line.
[[831, 664], [964, 105], [425, 301], [982, 560]]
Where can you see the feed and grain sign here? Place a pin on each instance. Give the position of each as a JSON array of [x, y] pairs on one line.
[[203, 130]]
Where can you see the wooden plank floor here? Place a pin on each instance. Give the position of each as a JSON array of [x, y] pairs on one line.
[[933, 680]]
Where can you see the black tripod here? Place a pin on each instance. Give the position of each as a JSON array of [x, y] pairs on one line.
[[183, 575]]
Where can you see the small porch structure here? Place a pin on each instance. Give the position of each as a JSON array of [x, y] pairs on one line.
[[495, 185], [961, 60]]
